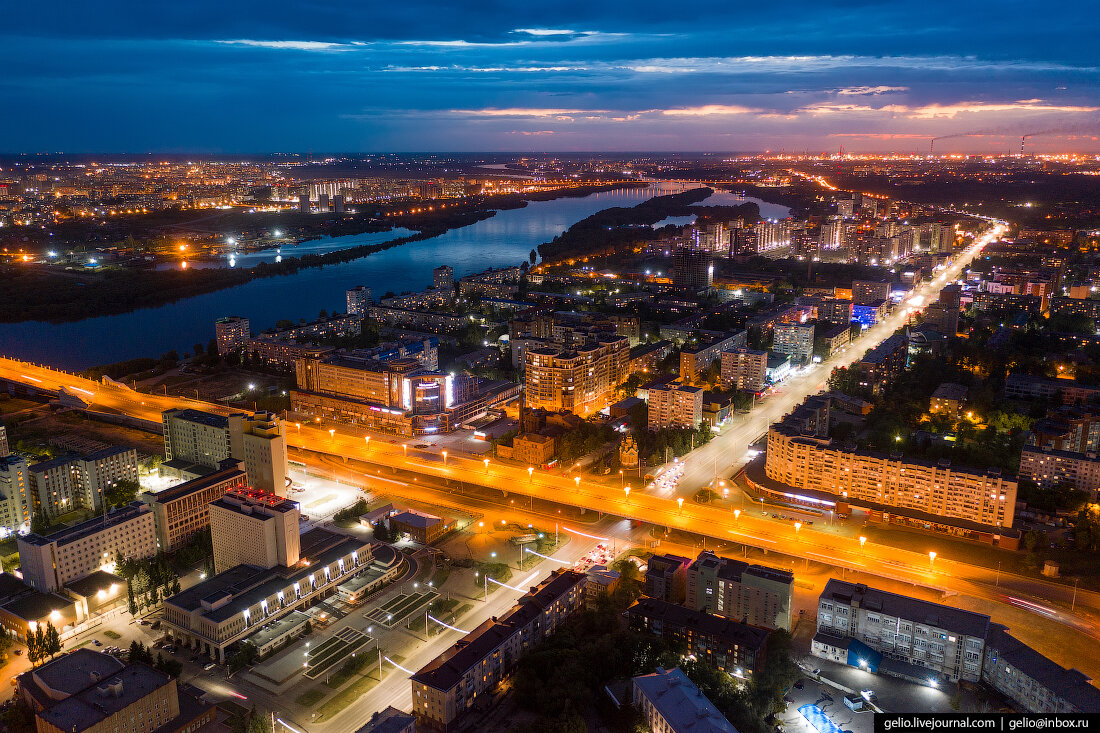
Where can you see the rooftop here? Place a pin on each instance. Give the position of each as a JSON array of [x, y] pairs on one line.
[[907, 607], [751, 637], [67, 674], [417, 519], [89, 526], [198, 416], [390, 720], [101, 699], [198, 484], [682, 705], [1068, 684]]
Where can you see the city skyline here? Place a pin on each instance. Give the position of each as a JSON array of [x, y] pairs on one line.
[[428, 76]]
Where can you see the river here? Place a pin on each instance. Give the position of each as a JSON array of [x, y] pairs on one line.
[[504, 239]]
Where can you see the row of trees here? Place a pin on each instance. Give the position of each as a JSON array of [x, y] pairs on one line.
[[140, 653], [148, 581], [44, 642]]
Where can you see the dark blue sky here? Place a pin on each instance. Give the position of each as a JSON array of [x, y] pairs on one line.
[[448, 75]]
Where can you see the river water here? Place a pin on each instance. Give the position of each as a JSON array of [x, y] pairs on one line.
[[504, 239]]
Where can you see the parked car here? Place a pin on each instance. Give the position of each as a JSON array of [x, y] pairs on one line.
[[209, 667], [97, 642]]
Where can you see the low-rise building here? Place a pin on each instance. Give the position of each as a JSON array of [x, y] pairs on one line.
[[1050, 468], [671, 703], [947, 399], [601, 582], [448, 686], [666, 578], [733, 647], [390, 720], [1034, 683], [420, 526]]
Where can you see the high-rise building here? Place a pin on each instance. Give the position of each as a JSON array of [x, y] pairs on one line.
[[249, 527], [443, 277], [359, 300], [750, 593], [846, 208], [49, 563], [578, 380], [15, 499], [322, 202], [744, 369], [692, 269], [4, 449], [774, 238], [75, 481], [675, 406], [832, 235], [709, 236], [194, 438], [666, 578], [303, 201], [865, 292], [795, 340], [232, 333], [338, 204]]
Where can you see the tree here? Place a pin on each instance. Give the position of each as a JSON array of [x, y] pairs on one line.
[[40, 523], [533, 257], [198, 348], [121, 493], [52, 640]]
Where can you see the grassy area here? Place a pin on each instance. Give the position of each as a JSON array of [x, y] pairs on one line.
[[112, 634], [345, 697], [16, 404], [440, 577], [440, 608], [311, 697], [353, 666]]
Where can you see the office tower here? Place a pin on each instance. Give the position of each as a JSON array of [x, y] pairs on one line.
[[359, 300], [232, 333], [692, 269], [249, 527], [203, 438], [49, 563], [443, 277], [744, 369]]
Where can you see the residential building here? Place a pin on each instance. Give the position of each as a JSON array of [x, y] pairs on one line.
[[232, 334], [696, 358], [744, 369], [774, 238], [15, 499], [74, 694], [233, 605], [254, 527], [448, 686], [906, 637], [443, 278], [675, 406], [733, 647], [1050, 468], [1034, 683], [692, 269], [196, 443], [4, 449], [956, 499], [580, 380], [869, 314], [866, 292], [884, 363], [947, 399], [358, 300], [752, 594], [666, 578], [671, 703], [601, 582], [795, 340], [1028, 387], [1069, 428], [51, 562], [77, 481], [183, 510], [276, 351], [832, 339]]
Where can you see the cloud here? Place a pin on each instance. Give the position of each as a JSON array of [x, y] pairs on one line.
[[545, 31], [708, 110], [933, 111], [529, 133], [534, 112], [861, 91], [291, 45]]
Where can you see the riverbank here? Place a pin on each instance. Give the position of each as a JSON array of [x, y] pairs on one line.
[[59, 296]]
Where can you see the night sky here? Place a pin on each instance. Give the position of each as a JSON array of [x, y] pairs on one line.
[[326, 76]]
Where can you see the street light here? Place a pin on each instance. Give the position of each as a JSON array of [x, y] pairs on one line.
[[332, 432], [626, 490], [680, 503], [444, 458], [797, 526], [405, 447], [931, 558], [486, 462], [531, 474], [862, 542], [736, 514], [367, 438], [577, 481]]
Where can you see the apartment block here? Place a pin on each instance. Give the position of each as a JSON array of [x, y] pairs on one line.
[[1027, 387], [75, 481], [752, 594], [443, 277], [884, 363], [948, 399], [796, 340], [196, 443], [744, 369], [232, 334], [52, 562], [697, 358], [865, 292], [675, 406], [359, 300], [1050, 468], [580, 380], [1034, 683], [1069, 428], [448, 686], [5, 450], [666, 578], [671, 703], [898, 635], [253, 527], [182, 511], [15, 499], [730, 646]]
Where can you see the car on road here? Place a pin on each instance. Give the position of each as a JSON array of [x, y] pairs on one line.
[[209, 667], [97, 642]]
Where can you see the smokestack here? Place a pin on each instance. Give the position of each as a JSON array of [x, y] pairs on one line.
[[1022, 139], [931, 145]]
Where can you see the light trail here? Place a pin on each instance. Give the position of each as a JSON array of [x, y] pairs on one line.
[[85, 391], [452, 628], [24, 376], [547, 557], [406, 671], [288, 726], [589, 536], [505, 585]]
